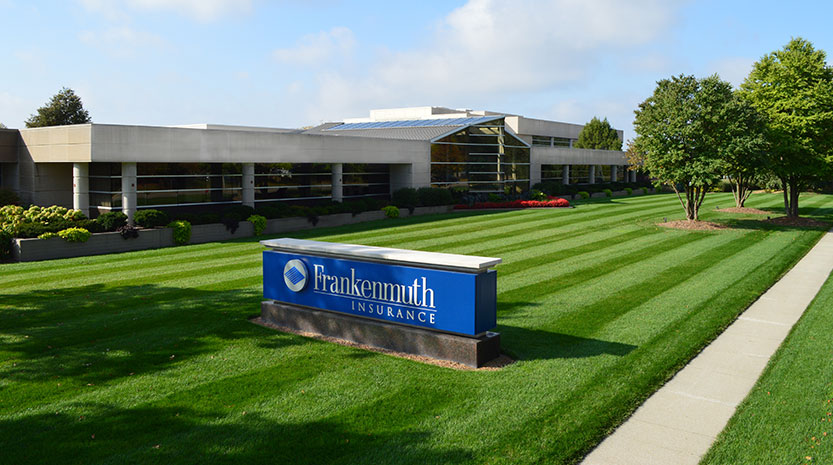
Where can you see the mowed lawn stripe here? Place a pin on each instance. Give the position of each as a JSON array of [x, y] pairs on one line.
[[344, 405]]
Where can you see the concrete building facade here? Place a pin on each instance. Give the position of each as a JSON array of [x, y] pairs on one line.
[[102, 167]]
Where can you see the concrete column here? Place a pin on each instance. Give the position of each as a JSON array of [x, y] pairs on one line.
[[534, 169], [613, 173], [128, 190], [338, 190], [592, 179], [81, 187], [565, 178], [249, 184]]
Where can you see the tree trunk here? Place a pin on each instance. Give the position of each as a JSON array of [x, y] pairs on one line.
[[794, 191], [785, 186]]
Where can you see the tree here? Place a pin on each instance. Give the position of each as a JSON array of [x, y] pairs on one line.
[[597, 134], [678, 130], [744, 152], [3, 126], [793, 89], [64, 108]]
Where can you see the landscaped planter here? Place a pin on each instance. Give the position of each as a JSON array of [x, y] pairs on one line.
[[202, 233], [27, 250], [403, 212]]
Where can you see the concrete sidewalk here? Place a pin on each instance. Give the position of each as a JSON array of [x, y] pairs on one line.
[[678, 424]]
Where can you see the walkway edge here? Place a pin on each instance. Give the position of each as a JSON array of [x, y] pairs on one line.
[[678, 423]]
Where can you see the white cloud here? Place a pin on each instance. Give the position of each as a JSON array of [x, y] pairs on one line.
[[120, 40], [489, 46], [318, 49], [200, 10]]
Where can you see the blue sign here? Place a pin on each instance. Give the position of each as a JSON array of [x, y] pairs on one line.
[[454, 302]]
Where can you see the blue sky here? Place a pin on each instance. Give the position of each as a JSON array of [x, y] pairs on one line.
[[294, 63]]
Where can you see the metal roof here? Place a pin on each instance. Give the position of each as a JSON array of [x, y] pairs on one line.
[[392, 133], [413, 123]]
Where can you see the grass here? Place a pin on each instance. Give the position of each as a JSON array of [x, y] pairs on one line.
[[787, 416], [148, 357]]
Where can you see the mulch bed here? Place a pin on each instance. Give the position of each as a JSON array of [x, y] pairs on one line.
[[753, 211], [493, 365], [800, 222], [693, 225]]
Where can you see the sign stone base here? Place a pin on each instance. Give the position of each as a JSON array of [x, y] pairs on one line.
[[471, 351]]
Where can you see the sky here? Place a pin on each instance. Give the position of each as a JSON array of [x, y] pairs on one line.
[[296, 63]]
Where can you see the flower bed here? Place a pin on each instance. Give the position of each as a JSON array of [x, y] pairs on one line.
[[552, 202]]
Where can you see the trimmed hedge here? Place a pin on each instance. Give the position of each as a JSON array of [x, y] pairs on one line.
[[75, 235], [151, 218]]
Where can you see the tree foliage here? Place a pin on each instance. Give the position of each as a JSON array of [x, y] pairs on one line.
[[793, 89], [678, 129], [65, 107], [598, 134], [744, 151]]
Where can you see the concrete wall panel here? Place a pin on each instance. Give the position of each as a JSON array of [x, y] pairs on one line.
[[568, 156], [112, 143]]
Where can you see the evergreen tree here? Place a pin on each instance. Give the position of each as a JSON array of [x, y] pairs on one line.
[[597, 134], [65, 107]]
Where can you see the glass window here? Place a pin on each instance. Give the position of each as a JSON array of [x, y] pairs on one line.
[[541, 141], [579, 174], [484, 158], [552, 172]]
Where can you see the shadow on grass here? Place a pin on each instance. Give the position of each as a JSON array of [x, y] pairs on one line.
[[94, 334], [373, 225], [179, 434], [535, 344]]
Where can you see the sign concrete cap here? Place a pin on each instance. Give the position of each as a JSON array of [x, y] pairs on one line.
[[446, 261]]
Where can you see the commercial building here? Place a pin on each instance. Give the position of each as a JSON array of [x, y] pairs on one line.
[[101, 167]]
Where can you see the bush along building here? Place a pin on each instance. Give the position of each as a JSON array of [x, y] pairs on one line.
[[99, 168]]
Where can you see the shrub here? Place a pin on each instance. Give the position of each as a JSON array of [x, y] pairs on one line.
[[405, 198], [259, 223], [75, 235], [391, 211], [583, 194], [151, 218], [48, 235], [5, 244], [24, 230], [724, 185], [8, 197], [629, 191], [495, 198], [554, 202], [128, 232], [274, 210], [208, 218], [111, 221], [181, 230], [434, 196], [357, 206], [241, 212], [535, 194], [608, 192], [92, 226]]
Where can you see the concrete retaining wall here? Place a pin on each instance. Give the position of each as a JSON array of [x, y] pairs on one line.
[[27, 250]]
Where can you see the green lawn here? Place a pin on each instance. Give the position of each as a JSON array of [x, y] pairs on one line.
[[788, 416], [149, 357]]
